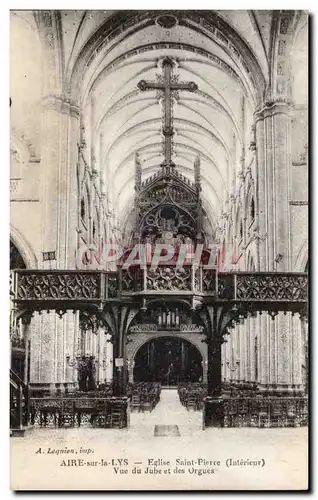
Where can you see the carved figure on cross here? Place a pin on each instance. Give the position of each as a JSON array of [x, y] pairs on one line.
[[167, 86]]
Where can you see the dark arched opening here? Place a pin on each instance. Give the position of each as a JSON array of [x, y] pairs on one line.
[[168, 360], [16, 259]]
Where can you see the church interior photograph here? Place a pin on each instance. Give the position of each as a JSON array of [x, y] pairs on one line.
[[158, 222]]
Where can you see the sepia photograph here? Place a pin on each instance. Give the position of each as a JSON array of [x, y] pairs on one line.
[[159, 250]]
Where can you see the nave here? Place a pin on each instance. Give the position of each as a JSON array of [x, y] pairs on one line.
[[169, 411], [163, 123]]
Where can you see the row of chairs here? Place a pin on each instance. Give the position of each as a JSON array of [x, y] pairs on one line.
[[110, 412], [265, 412], [192, 395], [144, 396]]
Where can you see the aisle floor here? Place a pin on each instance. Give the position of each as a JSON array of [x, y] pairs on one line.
[[169, 411]]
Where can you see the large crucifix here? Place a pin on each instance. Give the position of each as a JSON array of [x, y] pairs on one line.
[[167, 85]]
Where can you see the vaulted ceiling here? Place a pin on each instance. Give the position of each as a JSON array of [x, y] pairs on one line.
[[213, 122], [104, 54]]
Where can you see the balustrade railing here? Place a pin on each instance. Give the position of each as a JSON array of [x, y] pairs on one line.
[[56, 286], [76, 287]]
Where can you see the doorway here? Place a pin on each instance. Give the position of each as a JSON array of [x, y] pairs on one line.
[[168, 360]]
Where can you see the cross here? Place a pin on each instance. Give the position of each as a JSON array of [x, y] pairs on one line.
[[167, 86]]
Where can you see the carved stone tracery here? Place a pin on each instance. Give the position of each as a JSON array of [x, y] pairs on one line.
[[169, 278], [275, 287], [58, 285]]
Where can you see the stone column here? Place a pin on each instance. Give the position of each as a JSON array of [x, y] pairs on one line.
[[52, 336], [130, 365], [223, 358], [293, 370], [52, 340], [248, 349], [242, 356], [71, 348], [235, 354], [205, 369], [252, 353], [100, 357], [60, 131], [304, 355], [42, 359], [262, 361], [230, 347], [35, 354], [26, 320], [272, 132], [109, 358]]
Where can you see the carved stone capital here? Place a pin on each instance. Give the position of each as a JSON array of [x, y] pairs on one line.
[[61, 104], [272, 107], [252, 146]]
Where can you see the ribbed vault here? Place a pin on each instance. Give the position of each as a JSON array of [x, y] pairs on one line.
[[213, 122]]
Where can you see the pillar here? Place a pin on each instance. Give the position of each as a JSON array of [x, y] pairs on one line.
[[205, 370], [273, 155], [119, 352], [52, 340], [131, 365], [26, 335], [51, 336], [253, 332], [304, 355], [60, 132], [263, 364], [213, 404], [109, 361], [71, 332]]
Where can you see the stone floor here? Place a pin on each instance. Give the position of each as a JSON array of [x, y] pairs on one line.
[[211, 459]]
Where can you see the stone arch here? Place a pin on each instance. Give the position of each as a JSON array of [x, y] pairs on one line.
[[301, 260], [141, 339], [24, 247]]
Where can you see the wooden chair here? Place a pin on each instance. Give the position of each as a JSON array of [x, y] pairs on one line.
[[66, 414]]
